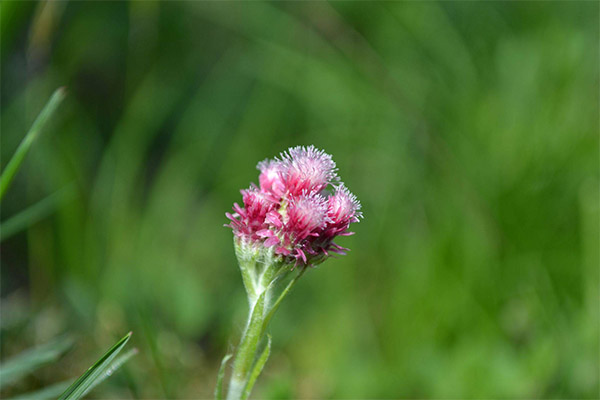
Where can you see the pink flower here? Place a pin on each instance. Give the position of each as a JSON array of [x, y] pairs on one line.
[[271, 178], [306, 215], [246, 222], [291, 212], [343, 209], [307, 169]]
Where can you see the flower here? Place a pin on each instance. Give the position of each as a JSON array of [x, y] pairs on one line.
[[291, 212], [247, 221], [307, 170], [343, 209], [271, 178]]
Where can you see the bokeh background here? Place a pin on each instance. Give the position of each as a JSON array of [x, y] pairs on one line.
[[469, 131]]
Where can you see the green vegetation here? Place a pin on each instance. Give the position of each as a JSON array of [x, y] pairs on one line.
[[469, 131], [101, 369]]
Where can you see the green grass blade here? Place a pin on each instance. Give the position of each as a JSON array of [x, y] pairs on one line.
[[48, 393], [34, 213], [258, 367], [112, 368], [219, 387], [81, 385], [17, 159], [32, 359]]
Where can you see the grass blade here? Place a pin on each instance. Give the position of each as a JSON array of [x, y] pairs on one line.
[[35, 213], [48, 393], [32, 359], [219, 387], [17, 159], [112, 369], [85, 381], [258, 367]]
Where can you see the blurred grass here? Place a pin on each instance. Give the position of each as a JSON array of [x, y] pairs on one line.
[[28, 361], [468, 130], [12, 167]]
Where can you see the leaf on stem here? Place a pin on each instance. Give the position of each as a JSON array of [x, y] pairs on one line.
[[219, 387], [258, 367], [280, 299]]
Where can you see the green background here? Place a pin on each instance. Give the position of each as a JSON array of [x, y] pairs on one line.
[[469, 131]]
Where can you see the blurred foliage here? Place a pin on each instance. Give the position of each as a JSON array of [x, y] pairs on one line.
[[468, 130]]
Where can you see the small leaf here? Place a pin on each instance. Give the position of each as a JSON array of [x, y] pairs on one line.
[[88, 379], [32, 359], [258, 367], [17, 159], [219, 387], [284, 293]]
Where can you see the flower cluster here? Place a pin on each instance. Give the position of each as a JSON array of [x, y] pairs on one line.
[[292, 211]]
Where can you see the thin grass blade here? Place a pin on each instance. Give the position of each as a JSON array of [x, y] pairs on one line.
[[48, 393], [17, 159], [258, 367], [30, 360], [35, 213], [85, 381], [112, 368]]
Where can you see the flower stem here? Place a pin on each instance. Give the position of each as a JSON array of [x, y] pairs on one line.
[[247, 349], [247, 365]]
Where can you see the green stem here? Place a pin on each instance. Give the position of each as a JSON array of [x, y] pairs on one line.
[[257, 369], [17, 159], [247, 349], [261, 313]]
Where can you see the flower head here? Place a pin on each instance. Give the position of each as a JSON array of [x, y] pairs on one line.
[[271, 177], [247, 221], [291, 212], [307, 169], [343, 208]]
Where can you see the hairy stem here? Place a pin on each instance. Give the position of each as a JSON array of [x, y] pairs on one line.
[[247, 364], [247, 349]]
